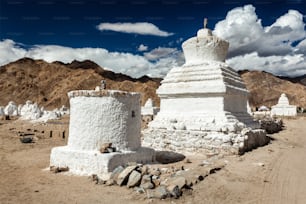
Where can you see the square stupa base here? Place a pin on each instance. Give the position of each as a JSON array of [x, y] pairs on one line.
[[93, 162]]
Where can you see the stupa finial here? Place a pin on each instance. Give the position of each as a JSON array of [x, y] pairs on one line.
[[205, 22]]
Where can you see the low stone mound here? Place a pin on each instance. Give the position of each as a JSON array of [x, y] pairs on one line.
[[271, 125], [157, 183]]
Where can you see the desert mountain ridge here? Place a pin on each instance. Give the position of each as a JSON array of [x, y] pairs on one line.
[[48, 83]]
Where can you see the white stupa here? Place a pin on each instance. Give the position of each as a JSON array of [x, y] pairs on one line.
[[149, 108], [98, 118], [282, 108], [11, 109], [203, 103]]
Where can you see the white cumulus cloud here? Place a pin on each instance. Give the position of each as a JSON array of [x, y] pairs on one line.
[[141, 28], [272, 48], [142, 48]]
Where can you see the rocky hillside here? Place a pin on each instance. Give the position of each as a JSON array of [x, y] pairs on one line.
[[48, 83], [266, 88]]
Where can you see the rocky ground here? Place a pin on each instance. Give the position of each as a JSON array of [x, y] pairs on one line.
[[271, 174]]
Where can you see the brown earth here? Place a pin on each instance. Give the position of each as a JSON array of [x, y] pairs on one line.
[[48, 83], [271, 174]]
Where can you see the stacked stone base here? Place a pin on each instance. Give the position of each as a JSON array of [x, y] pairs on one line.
[[184, 141], [93, 162]]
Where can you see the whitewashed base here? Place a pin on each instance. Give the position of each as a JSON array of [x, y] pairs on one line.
[[184, 141], [93, 162]]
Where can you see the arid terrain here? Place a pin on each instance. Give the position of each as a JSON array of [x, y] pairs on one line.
[[274, 173]]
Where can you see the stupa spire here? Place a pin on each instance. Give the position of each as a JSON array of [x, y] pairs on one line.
[[205, 22]]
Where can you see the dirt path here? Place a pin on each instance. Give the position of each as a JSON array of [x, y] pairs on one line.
[[275, 173]]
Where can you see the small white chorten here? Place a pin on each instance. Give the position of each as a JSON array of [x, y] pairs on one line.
[[149, 108], [11, 109], [203, 103], [282, 108], [97, 118]]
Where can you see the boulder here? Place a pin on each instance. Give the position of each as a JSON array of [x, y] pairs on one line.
[[124, 175], [134, 179]]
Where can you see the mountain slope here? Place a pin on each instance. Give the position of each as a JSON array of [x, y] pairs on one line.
[[265, 89], [48, 83]]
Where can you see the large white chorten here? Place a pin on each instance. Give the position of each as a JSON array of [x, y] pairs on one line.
[[203, 103], [98, 118], [282, 108]]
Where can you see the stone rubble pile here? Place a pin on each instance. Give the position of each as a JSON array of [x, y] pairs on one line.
[[157, 182], [271, 125]]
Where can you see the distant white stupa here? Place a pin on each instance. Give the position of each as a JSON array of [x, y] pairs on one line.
[[282, 108], [203, 103]]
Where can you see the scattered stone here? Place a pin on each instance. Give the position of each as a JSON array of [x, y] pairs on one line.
[[144, 170], [139, 190], [155, 172], [55, 169], [187, 161], [114, 175], [259, 164], [179, 181], [271, 125], [134, 179], [26, 139], [104, 147], [147, 185], [174, 191], [160, 192], [146, 178], [155, 181], [124, 175], [110, 182]]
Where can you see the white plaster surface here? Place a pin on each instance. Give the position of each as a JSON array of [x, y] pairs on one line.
[[98, 120], [98, 117], [282, 108], [203, 103], [85, 163]]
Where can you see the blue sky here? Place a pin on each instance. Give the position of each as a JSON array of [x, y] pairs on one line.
[[144, 37]]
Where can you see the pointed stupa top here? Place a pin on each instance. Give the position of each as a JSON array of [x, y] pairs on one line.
[[283, 100], [204, 47]]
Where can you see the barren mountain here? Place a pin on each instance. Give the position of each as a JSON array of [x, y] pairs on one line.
[[48, 83], [265, 89]]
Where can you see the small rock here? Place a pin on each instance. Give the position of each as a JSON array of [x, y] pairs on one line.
[[124, 175], [259, 164], [134, 179], [174, 191], [187, 161], [147, 185], [55, 169], [139, 190], [144, 170], [155, 181], [146, 178], [179, 181], [116, 172], [26, 139], [110, 182], [160, 192], [155, 172], [104, 147]]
